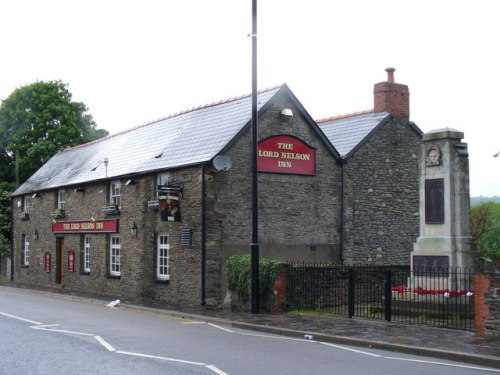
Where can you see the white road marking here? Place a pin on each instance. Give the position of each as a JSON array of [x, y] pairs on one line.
[[216, 370], [62, 331], [105, 344], [162, 358], [45, 326], [257, 334], [274, 337], [351, 349], [221, 328], [443, 364], [19, 318], [49, 327]]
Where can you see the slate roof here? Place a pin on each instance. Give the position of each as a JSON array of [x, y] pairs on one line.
[[349, 131], [187, 138]]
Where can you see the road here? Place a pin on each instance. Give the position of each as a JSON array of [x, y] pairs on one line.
[[49, 334]]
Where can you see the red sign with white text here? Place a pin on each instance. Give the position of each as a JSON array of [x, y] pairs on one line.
[[285, 154], [47, 262], [98, 226], [71, 261]]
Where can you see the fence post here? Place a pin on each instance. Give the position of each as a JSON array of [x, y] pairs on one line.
[[388, 295], [350, 292]]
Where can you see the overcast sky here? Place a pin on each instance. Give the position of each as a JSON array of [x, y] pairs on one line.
[[132, 62]]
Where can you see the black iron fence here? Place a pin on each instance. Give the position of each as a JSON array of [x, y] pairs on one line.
[[438, 297]]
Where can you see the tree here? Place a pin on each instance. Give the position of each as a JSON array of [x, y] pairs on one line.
[[38, 120], [485, 229]]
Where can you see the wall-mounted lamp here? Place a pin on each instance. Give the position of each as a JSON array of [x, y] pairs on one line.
[[80, 190], [287, 112], [35, 234], [134, 230], [131, 182]]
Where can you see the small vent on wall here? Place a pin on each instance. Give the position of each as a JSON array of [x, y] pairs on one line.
[[187, 237]]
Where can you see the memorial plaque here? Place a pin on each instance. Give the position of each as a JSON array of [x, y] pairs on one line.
[[431, 265], [434, 201]]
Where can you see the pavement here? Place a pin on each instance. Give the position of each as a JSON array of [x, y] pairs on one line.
[[421, 340]]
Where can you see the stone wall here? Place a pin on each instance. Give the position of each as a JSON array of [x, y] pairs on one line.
[[137, 281], [487, 297], [5, 267], [382, 197], [298, 214]]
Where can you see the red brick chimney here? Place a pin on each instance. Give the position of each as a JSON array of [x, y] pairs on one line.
[[391, 97]]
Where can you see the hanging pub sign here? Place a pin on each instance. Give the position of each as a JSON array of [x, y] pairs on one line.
[[97, 226], [71, 261], [170, 209], [285, 154]]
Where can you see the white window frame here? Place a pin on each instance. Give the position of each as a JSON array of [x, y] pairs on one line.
[[27, 204], [163, 257], [115, 195], [164, 179], [86, 253], [61, 199], [26, 251], [114, 256]]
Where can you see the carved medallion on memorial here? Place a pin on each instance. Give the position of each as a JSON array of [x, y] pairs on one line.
[[433, 157]]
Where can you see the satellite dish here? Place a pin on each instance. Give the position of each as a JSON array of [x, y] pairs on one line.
[[222, 163]]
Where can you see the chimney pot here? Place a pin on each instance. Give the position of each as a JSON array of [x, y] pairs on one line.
[[390, 74], [391, 97]]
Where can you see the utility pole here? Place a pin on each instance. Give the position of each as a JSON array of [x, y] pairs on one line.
[[18, 179], [255, 205]]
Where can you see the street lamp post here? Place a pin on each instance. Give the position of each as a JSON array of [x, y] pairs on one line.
[[255, 206]]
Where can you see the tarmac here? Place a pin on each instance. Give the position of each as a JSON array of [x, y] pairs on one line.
[[420, 340]]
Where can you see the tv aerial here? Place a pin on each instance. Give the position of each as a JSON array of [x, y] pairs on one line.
[[222, 163]]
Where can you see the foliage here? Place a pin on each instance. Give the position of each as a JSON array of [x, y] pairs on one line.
[[239, 276], [485, 229], [38, 120], [489, 243], [4, 222]]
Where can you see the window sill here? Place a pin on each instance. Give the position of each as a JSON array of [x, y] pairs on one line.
[[162, 281], [85, 273], [25, 266], [113, 276]]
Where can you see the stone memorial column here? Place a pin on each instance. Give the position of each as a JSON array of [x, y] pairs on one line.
[[444, 204]]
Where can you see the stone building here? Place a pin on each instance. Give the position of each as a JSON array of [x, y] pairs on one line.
[[379, 152], [152, 213]]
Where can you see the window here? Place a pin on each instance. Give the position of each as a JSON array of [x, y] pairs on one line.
[[164, 179], [163, 258], [61, 199], [86, 253], [114, 256], [115, 196], [27, 204], [25, 251]]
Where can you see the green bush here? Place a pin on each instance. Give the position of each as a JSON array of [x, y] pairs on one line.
[[239, 276], [489, 242], [485, 229]]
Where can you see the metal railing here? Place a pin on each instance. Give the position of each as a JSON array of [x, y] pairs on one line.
[[438, 297]]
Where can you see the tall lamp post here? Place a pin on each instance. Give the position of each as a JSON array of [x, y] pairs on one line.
[[255, 206]]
